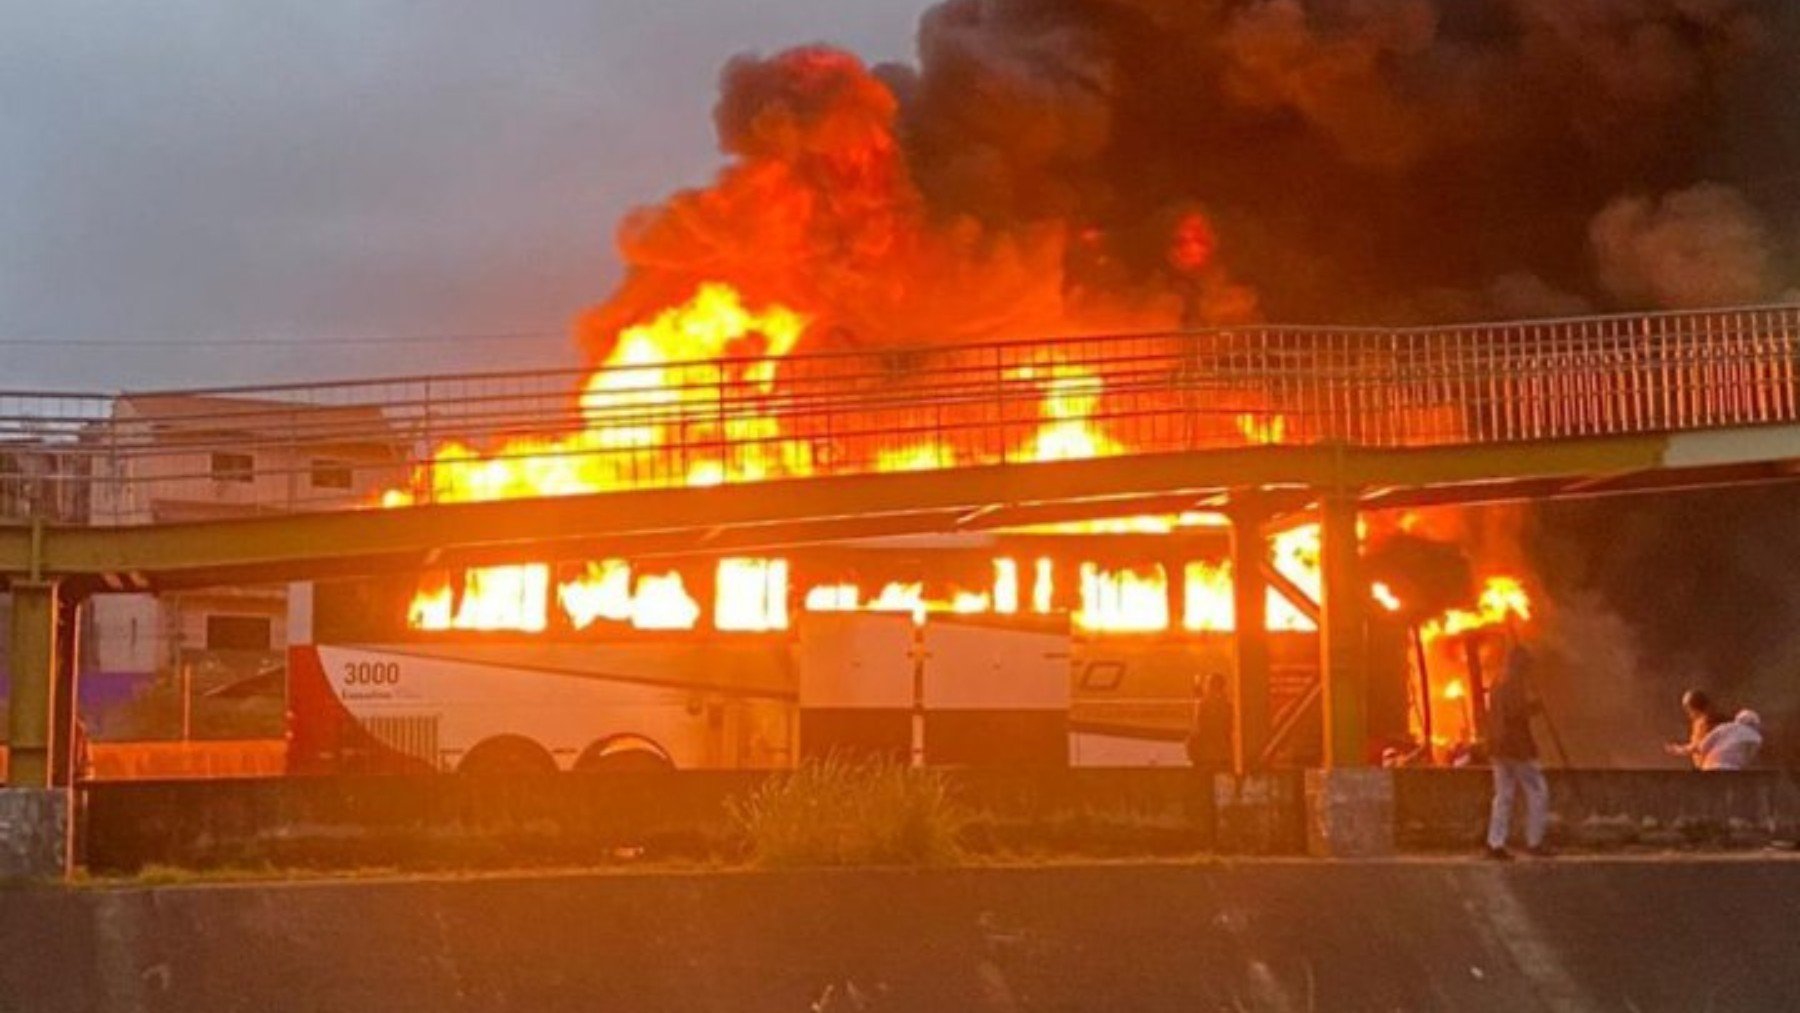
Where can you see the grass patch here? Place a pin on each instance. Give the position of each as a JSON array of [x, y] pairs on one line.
[[841, 812]]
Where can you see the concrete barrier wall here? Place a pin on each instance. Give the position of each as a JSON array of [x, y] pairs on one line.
[[452, 822], [409, 822], [1417, 935], [34, 841], [1447, 809], [423, 822]]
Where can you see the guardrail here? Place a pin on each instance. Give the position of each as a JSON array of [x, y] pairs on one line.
[[148, 457]]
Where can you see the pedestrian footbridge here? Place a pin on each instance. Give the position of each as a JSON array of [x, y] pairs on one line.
[[156, 491], [176, 489]]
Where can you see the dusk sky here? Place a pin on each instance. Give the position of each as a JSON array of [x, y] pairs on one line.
[[205, 192]]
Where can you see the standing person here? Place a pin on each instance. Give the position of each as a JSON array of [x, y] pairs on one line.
[[1209, 741], [1513, 751], [1702, 717]]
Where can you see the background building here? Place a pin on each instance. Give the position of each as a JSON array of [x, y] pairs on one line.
[[204, 663]]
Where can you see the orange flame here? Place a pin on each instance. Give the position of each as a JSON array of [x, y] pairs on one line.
[[751, 595], [680, 360], [602, 592], [1070, 396], [1006, 586], [1209, 604], [605, 590], [491, 598], [662, 603], [1296, 555], [1262, 430], [1133, 600], [656, 367], [714, 362], [1502, 600], [899, 597], [1043, 586], [1384, 596], [834, 598]]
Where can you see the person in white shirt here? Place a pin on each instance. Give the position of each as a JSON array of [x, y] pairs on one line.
[[1732, 745]]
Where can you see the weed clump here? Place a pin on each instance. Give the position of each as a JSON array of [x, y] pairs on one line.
[[844, 812]]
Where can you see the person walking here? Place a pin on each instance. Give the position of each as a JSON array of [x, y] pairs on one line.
[[1513, 751]]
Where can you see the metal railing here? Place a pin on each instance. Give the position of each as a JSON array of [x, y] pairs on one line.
[[144, 458]]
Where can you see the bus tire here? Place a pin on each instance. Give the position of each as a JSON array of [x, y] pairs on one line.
[[507, 754], [624, 754]]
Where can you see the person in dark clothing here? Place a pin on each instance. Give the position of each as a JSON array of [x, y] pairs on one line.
[[1513, 751], [1209, 741]]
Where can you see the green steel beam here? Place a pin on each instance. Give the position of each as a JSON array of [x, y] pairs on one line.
[[797, 511], [272, 547], [34, 665]]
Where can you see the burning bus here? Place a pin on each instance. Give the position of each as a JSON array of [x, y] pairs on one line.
[[1079, 642], [1010, 649]]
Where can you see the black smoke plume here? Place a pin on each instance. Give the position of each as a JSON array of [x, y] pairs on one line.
[[1074, 165]]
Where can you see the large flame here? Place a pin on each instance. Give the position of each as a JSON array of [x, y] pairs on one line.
[[607, 591], [701, 376], [677, 360], [1208, 604], [715, 354], [1070, 395], [491, 598], [751, 595], [1131, 600], [754, 594], [1448, 641], [1502, 600]]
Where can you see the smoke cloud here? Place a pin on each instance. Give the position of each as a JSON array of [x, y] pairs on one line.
[[1077, 165], [1051, 166], [1703, 246]]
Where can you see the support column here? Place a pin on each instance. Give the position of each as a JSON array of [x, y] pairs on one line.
[[35, 639], [63, 690], [1175, 589], [1250, 641], [1343, 636]]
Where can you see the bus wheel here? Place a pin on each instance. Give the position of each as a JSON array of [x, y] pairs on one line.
[[624, 754], [507, 754]]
